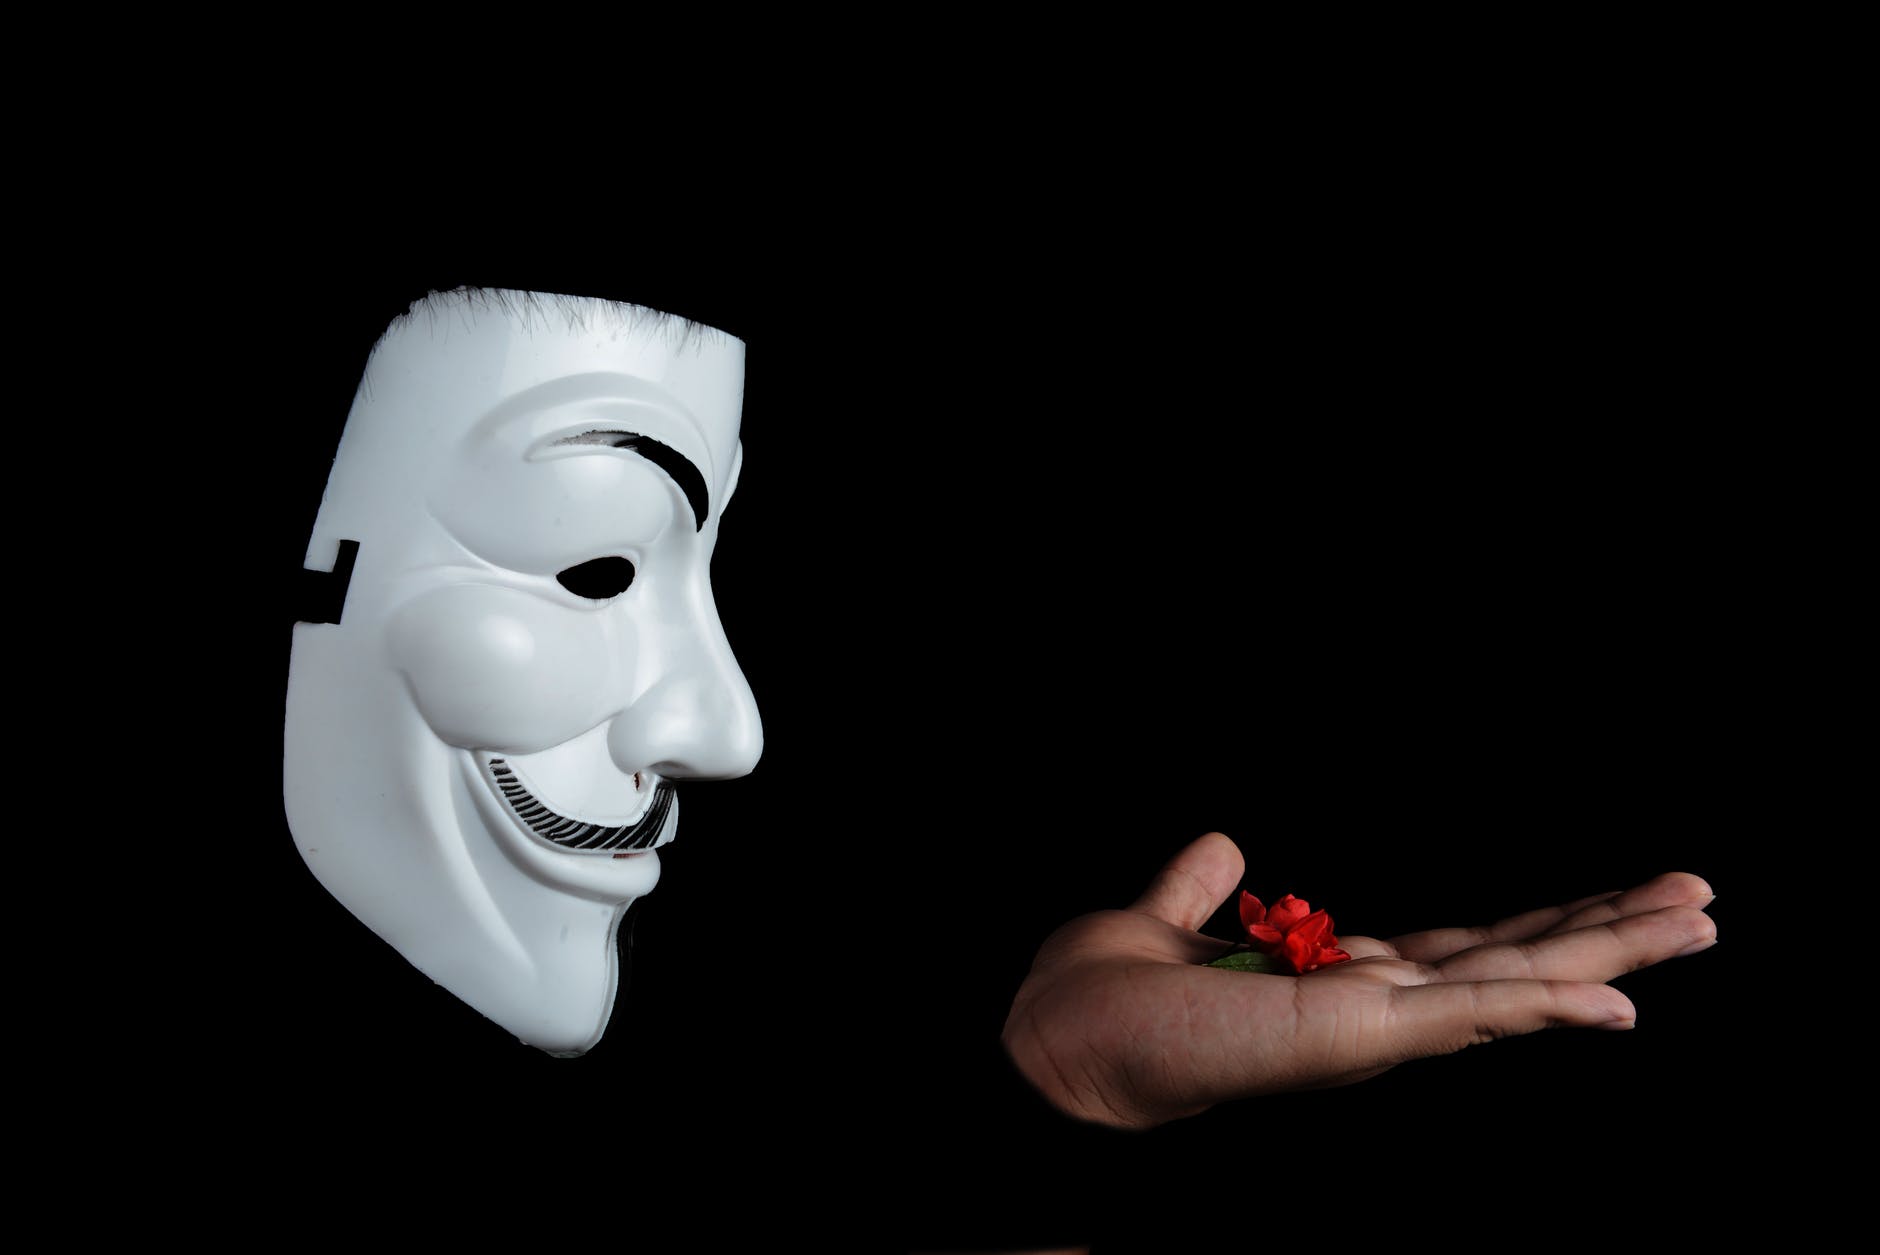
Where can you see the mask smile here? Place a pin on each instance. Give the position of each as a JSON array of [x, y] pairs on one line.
[[570, 834]]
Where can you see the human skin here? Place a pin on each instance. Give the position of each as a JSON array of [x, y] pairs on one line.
[[1120, 1023]]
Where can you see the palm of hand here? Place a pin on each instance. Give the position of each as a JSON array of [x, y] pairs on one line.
[[1120, 1023]]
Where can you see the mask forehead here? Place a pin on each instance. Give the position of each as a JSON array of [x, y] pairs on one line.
[[480, 377]]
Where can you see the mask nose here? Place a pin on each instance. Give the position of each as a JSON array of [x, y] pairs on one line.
[[698, 720]]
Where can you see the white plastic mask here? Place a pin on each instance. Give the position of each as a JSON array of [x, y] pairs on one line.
[[480, 753]]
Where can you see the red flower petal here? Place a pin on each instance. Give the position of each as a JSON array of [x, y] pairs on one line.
[[1251, 912], [1266, 933], [1287, 912], [1314, 929]]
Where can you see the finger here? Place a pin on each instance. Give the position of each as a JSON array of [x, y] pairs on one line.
[[1671, 889], [1440, 943], [1674, 889], [1194, 882], [1598, 952], [1366, 947], [1444, 1018]]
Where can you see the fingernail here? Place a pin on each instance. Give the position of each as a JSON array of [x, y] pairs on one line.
[[1695, 946], [1619, 1025]]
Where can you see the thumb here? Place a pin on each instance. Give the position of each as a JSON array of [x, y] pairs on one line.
[[1195, 881]]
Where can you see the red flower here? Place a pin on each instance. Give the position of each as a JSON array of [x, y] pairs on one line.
[[1292, 932]]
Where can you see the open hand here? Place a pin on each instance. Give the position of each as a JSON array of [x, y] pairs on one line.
[[1120, 1023]]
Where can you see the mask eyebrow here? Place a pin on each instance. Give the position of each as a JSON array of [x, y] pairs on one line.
[[668, 459]]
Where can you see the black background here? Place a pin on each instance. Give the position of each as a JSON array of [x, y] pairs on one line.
[[1417, 559]]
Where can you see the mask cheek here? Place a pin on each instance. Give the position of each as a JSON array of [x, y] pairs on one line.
[[500, 669]]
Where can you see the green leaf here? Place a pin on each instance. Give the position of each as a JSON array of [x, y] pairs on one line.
[[1247, 961]]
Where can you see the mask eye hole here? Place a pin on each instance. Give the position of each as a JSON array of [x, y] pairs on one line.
[[600, 579]]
